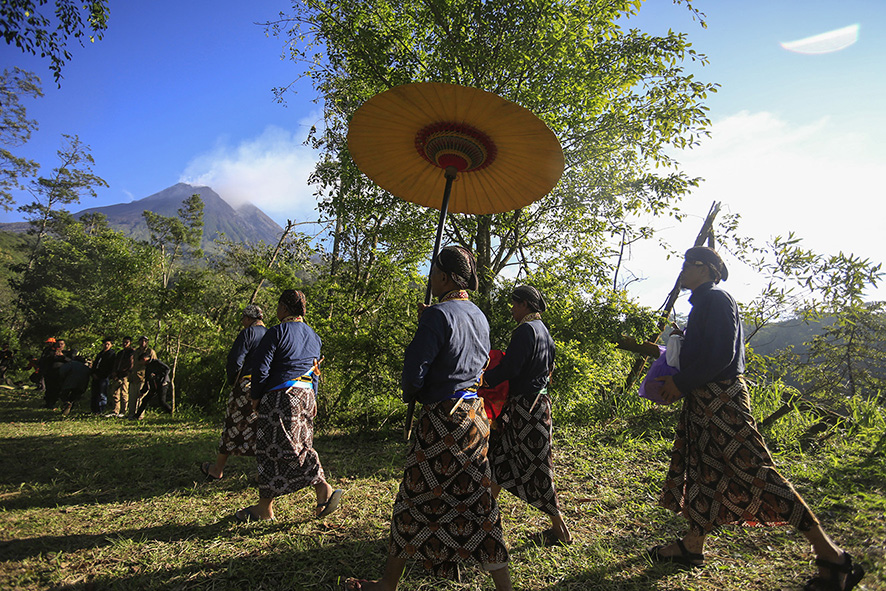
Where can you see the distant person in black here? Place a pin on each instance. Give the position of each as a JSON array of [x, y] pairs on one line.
[[102, 367], [51, 362], [5, 361], [157, 383], [75, 379]]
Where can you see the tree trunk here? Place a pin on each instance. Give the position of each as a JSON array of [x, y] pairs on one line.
[[286, 231]]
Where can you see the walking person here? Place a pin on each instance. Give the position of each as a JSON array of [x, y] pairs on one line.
[[156, 384], [520, 444], [721, 471], [444, 512], [284, 381], [238, 434], [102, 368]]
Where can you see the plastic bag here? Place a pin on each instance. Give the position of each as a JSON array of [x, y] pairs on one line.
[[650, 388], [675, 343]]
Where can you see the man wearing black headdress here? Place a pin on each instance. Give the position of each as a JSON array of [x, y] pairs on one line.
[[520, 445], [721, 471], [445, 512]]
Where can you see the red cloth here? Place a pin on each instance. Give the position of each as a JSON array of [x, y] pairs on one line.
[[494, 398]]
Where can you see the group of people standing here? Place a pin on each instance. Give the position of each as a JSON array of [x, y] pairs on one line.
[[125, 378], [446, 510]]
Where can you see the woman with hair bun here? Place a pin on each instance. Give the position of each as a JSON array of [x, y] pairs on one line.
[[284, 382], [444, 512], [238, 434]]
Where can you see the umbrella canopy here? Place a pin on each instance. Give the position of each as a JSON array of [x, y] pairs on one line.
[[506, 157]]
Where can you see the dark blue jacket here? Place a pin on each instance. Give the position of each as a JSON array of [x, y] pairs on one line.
[[527, 362], [285, 352], [449, 350], [713, 345], [242, 351]]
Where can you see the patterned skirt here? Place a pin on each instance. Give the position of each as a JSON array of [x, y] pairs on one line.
[[284, 446], [520, 452], [445, 512], [721, 470], [238, 434]]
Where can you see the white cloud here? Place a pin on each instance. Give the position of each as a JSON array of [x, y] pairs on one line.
[[825, 42], [270, 171], [819, 181]]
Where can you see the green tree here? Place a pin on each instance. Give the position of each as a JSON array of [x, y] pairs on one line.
[[618, 100], [847, 357], [175, 236], [69, 181], [34, 27], [84, 282], [15, 131]]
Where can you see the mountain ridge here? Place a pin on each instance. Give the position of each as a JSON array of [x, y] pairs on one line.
[[246, 223]]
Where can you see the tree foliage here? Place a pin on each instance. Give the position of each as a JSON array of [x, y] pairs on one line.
[[15, 131], [174, 236], [68, 183], [82, 279], [617, 99], [847, 357], [40, 26]]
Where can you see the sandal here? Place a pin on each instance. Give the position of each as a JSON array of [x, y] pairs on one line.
[[204, 467], [684, 559], [355, 584], [853, 572], [331, 504], [548, 537], [245, 515]]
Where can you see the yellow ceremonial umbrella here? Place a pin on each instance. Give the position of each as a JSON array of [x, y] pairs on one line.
[[501, 154]]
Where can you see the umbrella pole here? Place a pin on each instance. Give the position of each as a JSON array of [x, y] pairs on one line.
[[450, 173]]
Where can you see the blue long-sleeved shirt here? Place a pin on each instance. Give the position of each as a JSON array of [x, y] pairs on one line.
[[447, 353], [241, 355], [284, 353], [713, 346], [527, 362]]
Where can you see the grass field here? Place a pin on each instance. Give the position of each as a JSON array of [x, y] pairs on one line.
[[92, 503]]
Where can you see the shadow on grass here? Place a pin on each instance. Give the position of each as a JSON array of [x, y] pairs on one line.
[[305, 561], [84, 459]]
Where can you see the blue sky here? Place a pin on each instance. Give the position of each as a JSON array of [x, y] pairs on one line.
[[181, 91]]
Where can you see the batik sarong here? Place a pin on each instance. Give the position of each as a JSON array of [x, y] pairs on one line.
[[444, 512], [721, 471], [238, 434], [284, 446], [520, 452]]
